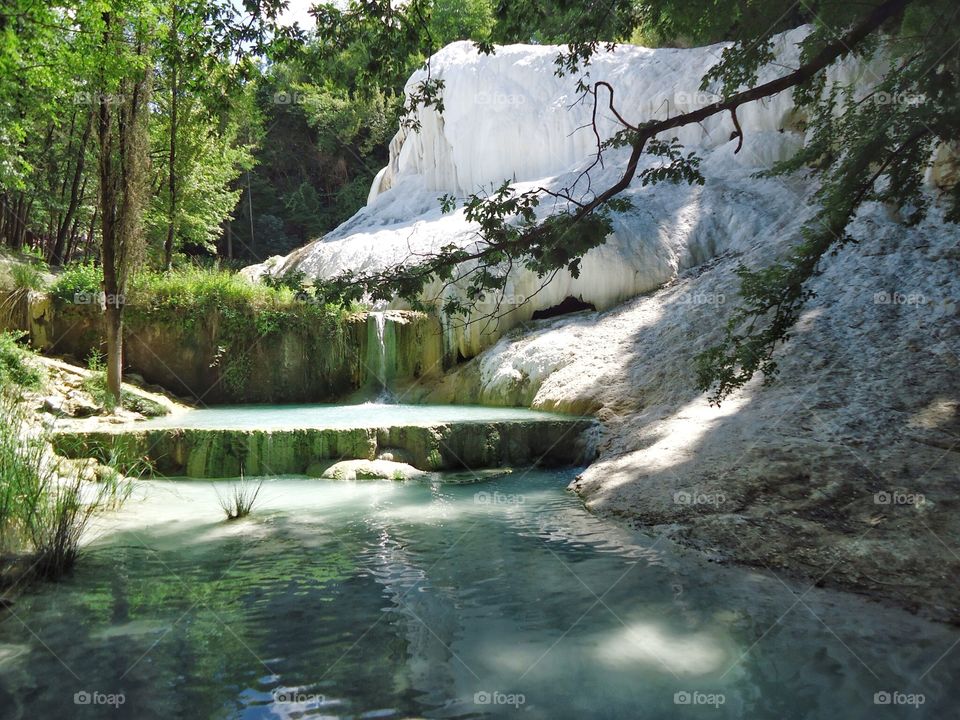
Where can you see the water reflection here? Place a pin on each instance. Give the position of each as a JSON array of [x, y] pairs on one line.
[[418, 599]]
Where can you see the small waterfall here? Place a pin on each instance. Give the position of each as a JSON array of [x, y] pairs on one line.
[[381, 354]]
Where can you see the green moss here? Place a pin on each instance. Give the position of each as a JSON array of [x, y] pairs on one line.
[[238, 314], [225, 453]]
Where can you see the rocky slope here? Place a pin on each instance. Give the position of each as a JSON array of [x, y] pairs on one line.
[[845, 468]]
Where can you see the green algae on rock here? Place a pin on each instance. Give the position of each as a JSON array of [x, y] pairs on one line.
[[205, 453]]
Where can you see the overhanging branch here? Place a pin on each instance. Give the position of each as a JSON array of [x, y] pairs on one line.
[[828, 54]]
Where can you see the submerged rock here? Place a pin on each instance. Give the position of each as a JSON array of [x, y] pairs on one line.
[[371, 470]]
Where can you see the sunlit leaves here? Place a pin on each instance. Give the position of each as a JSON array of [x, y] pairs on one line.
[[679, 168]]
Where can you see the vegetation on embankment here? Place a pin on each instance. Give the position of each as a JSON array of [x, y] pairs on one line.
[[46, 502], [210, 333]]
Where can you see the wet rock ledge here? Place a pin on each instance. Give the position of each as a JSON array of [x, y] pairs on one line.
[[206, 453]]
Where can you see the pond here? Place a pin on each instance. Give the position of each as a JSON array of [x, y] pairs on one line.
[[448, 597]]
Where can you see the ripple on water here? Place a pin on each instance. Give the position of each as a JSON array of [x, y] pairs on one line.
[[417, 600]]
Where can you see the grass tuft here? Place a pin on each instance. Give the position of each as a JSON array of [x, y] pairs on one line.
[[45, 506], [26, 277], [239, 501]]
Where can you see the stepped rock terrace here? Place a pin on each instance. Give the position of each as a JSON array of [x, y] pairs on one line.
[[299, 439]]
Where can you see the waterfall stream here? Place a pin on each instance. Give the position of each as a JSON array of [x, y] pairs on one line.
[[381, 354]]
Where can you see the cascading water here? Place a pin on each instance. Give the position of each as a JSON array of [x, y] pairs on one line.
[[381, 354]]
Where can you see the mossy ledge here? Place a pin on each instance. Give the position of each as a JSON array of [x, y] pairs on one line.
[[204, 453], [239, 351]]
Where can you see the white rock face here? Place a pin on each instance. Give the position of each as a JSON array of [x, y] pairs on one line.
[[508, 117]]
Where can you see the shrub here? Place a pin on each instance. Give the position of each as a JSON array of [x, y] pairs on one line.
[[17, 365], [78, 279], [44, 510], [295, 280], [59, 524], [23, 475], [245, 312]]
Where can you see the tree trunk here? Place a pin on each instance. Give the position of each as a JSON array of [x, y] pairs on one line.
[[228, 231], [108, 232], [19, 227], [71, 240], [250, 213], [171, 166], [57, 256], [123, 169], [91, 231], [4, 214], [114, 322]]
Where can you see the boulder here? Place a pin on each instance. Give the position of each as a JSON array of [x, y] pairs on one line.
[[371, 470]]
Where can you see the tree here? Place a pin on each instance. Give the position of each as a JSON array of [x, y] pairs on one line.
[[208, 159], [175, 60], [44, 130], [125, 61], [122, 113], [202, 66], [329, 113]]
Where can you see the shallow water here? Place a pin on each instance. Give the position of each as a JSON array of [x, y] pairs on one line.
[[501, 598], [280, 417]]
